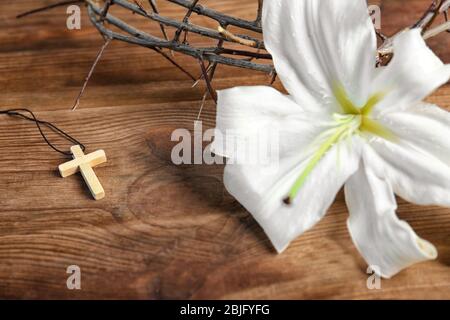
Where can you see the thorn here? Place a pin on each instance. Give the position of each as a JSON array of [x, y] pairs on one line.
[[197, 81], [185, 20], [175, 63], [105, 10], [202, 105], [55, 5], [139, 4], [155, 10], [211, 90], [91, 72]]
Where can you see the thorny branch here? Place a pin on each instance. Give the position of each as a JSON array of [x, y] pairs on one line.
[[250, 55], [437, 7], [213, 55]]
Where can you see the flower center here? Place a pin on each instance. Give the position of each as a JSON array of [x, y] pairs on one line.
[[352, 120], [368, 124]]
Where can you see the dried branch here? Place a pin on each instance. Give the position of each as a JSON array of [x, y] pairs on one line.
[[259, 13], [219, 17], [214, 54], [181, 28], [428, 17], [437, 30], [234, 38], [105, 9], [184, 25], [437, 7], [156, 10]]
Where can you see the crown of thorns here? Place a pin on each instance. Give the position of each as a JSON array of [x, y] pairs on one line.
[[244, 50]]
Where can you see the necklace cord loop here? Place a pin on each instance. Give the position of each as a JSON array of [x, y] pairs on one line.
[[21, 113]]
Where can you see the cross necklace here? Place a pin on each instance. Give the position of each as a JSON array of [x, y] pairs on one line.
[[81, 163], [84, 164]]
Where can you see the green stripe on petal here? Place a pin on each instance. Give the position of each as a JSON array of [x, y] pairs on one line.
[[375, 128], [371, 103], [318, 155], [344, 101]]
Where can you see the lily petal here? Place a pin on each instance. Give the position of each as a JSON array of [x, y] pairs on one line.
[[414, 175], [425, 127], [249, 117], [319, 44], [414, 73], [386, 243], [261, 191]]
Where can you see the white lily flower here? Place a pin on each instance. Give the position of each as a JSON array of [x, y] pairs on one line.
[[344, 123]]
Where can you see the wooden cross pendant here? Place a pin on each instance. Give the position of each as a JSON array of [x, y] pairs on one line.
[[84, 164]]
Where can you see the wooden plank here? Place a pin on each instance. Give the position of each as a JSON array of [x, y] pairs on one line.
[[163, 231]]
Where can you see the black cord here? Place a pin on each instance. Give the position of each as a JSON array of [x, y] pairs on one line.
[[20, 113]]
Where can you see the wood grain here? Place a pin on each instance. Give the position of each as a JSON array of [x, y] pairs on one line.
[[163, 231]]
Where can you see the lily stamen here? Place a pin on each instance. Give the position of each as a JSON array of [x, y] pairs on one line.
[[346, 128]]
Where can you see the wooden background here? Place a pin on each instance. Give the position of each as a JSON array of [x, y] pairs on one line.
[[163, 231]]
